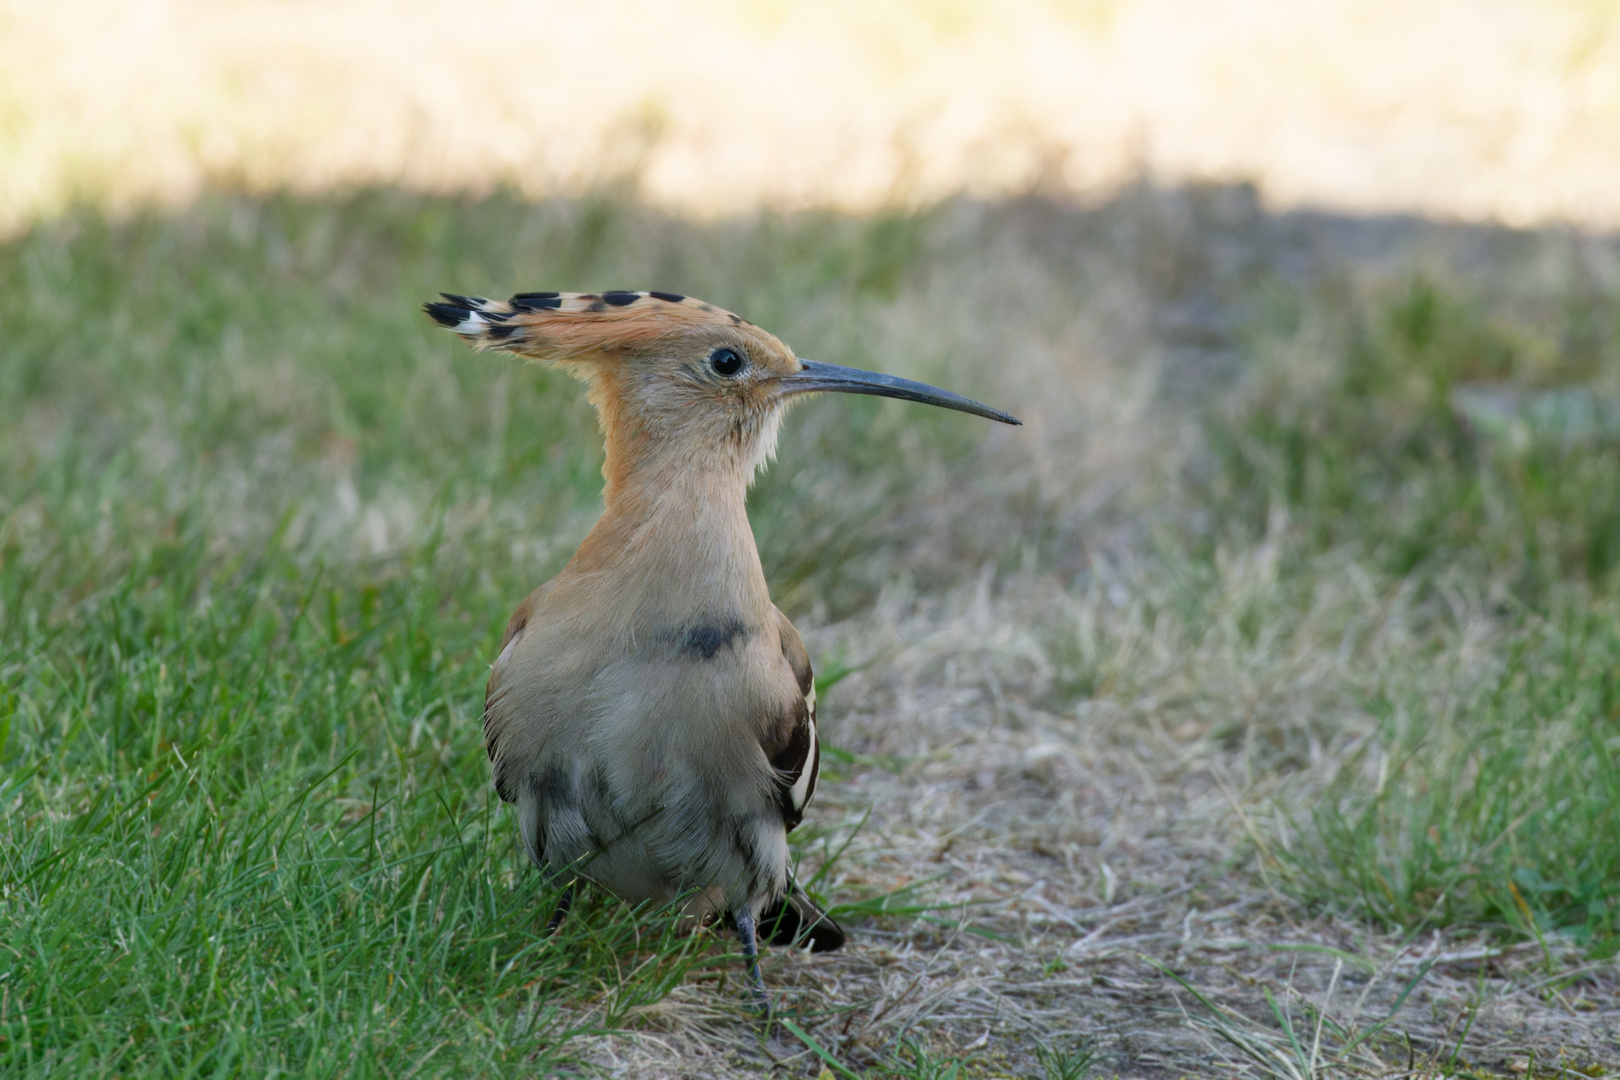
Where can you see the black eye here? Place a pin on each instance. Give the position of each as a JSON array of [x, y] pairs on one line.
[[726, 361]]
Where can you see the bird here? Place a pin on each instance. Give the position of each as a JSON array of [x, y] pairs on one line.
[[650, 712]]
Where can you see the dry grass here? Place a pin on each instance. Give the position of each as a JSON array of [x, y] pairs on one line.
[[1108, 855]]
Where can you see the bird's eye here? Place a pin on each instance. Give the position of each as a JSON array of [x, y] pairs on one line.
[[726, 361]]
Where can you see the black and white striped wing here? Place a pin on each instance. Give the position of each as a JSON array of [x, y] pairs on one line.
[[798, 760]]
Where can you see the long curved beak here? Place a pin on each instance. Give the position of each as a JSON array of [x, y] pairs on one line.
[[847, 380]]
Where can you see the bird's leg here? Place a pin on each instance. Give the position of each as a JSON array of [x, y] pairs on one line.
[[564, 902], [750, 946]]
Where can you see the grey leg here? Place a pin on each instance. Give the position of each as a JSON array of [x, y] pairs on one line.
[[564, 902], [750, 947]]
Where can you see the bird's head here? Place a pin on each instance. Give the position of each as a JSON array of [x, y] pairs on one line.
[[673, 378]]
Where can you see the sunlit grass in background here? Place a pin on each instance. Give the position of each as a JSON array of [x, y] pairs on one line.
[[260, 525], [1451, 108]]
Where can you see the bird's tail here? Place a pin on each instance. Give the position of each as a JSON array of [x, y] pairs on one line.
[[798, 920]]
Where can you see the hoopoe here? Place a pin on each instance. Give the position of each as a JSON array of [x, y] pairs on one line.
[[651, 713]]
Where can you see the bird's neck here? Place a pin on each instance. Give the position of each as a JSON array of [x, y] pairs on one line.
[[674, 541]]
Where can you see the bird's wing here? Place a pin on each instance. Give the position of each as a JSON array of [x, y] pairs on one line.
[[795, 753], [500, 684]]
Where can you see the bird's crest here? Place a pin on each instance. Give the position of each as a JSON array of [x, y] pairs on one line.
[[561, 326]]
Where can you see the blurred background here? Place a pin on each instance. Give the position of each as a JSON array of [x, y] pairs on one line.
[[1083, 208], [1299, 591], [1506, 111]]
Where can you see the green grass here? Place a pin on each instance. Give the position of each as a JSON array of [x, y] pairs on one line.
[[1500, 806], [1367, 446], [1489, 793], [252, 836]]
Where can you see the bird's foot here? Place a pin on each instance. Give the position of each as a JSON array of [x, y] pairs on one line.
[[747, 933]]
